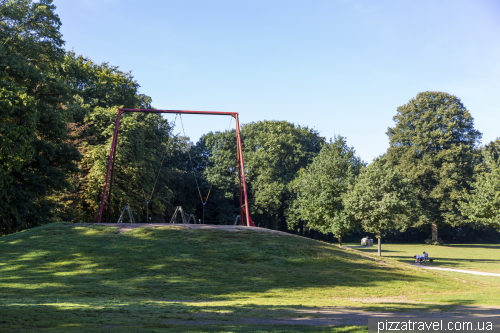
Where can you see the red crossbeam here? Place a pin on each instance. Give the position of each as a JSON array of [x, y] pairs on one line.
[[241, 165]]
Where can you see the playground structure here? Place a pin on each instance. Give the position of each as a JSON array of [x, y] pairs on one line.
[[243, 198], [183, 216]]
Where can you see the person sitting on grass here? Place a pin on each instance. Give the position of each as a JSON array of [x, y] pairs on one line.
[[426, 256], [418, 258]]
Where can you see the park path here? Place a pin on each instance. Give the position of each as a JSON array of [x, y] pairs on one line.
[[439, 268], [457, 270], [326, 316]]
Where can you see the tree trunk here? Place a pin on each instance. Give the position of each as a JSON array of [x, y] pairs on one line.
[[379, 243], [340, 240], [434, 229]]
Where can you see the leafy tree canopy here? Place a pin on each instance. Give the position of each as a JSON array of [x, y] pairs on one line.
[[320, 188], [379, 199], [432, 144], [35, 157], [274, 152], [100, 85], [482, 205]]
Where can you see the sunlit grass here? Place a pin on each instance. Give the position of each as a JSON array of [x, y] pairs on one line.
[[478, 257], [63, 277]]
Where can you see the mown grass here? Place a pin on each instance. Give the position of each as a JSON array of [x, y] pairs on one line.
[[71, 278], [476, 257]]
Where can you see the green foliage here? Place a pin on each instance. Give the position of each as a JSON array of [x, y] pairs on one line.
[[274, 153], [320, 188], [429, 241], [492, 149], [35, 158], [432, 144], [217, 167], [97, 91], [143, 163], [482, 205], [379, 198], [100, 85]]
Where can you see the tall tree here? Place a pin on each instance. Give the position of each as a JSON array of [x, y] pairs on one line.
[[274, 152], [482, 205], [215, 154], [320, 188], [432, 144], [142, 171], [379, 199], [99, 85], [97, 91], [492, 150], [35, 157]]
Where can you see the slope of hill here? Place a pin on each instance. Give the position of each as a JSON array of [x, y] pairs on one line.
[[68, 277]]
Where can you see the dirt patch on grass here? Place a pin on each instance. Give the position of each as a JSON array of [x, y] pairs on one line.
[[326, 316], [381, 300], [124, 227]]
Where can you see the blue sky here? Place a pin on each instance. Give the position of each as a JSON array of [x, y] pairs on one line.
[[340, 67]]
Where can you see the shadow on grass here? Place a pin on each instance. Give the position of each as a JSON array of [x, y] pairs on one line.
[[478, 246], [91, 275], [373, 249], [176, 264], [219, 318]]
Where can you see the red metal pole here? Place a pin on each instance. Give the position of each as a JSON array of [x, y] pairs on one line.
[[111, 153], [220, 113], [242, 163], [111, 180], [239, 178]]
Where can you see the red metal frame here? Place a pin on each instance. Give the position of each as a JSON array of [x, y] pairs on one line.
[[244, 209]]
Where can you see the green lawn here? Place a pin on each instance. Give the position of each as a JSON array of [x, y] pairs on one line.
[[476, 257], [71, 278]]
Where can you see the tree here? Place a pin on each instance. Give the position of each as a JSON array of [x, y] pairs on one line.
[[35, 157], [379, 199], [320, 188], [274, 152], [97, 91], [144, 149], [432, 145], [492, 150], [482, 205], [215, 156], [99, 85]]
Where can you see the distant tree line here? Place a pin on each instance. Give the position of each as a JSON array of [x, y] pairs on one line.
[[57, 114]]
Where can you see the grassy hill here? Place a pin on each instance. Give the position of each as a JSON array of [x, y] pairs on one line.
[[68, 277]]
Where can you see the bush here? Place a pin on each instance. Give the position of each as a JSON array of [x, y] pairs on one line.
[[431, 242]]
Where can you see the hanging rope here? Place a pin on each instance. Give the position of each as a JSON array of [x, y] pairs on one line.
[[161, 164], [216, 167], [220, 157], [192, 165]]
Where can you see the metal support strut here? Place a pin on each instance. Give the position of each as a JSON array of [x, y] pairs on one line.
[[244, 207]]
